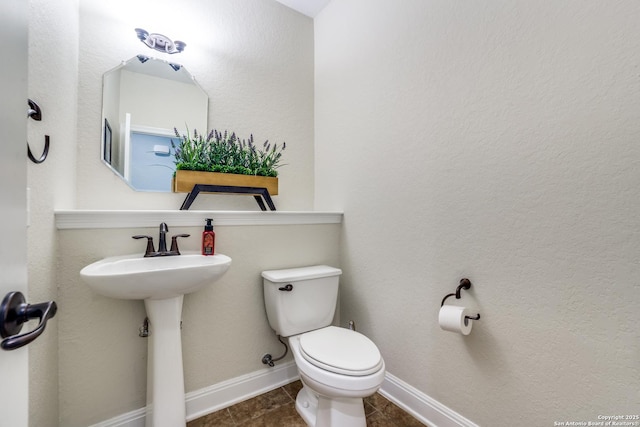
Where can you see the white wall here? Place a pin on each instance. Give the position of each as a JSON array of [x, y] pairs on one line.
[[256, 63], [496, 141], [511, 130], [254, 58], [53, 84]]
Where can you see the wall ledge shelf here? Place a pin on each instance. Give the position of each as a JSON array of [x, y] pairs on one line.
[[96, 219]]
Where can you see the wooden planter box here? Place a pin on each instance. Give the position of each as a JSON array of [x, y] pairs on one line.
[[185, 180]]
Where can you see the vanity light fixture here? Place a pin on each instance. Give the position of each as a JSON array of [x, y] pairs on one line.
[[143, 59], [159, 42]]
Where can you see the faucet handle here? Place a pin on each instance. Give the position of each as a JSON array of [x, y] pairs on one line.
[[150, 248], [174, 242]]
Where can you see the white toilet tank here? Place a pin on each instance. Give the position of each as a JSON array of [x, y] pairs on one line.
[[300, 299]]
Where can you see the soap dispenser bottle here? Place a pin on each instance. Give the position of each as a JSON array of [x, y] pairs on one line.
[[208, 238]]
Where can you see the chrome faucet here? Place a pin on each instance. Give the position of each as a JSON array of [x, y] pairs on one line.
[[162, 243]]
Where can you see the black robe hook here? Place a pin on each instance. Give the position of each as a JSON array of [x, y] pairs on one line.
[[45, 152], [36, 114]]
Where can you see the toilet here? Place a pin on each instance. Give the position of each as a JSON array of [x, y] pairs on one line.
[[338, 366]]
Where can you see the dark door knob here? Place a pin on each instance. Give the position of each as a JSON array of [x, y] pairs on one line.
[[14, 311]]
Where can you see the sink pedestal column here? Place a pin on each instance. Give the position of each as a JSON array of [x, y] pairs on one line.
[[165, 376]]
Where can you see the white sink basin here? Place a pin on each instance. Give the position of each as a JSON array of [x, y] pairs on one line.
[[140, 278], [161, 282]]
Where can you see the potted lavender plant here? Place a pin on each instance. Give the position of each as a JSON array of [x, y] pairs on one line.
[[221, 158]]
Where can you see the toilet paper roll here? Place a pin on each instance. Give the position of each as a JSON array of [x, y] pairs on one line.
[[452, 318]]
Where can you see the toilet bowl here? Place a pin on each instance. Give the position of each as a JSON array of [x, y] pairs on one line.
[[338, 367]]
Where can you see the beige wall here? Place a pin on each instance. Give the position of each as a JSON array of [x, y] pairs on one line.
[[511, 130], [53, 84], [225, 333], [496, 141], [254, 58]]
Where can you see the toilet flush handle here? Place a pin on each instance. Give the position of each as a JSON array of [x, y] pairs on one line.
[[287, 288]]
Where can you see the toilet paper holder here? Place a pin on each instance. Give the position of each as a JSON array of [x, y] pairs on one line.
[[466, 285]]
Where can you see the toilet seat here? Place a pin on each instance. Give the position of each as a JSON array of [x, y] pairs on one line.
[[341, 351]]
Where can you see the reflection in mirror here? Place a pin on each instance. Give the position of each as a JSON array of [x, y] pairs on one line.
[[142, 101]]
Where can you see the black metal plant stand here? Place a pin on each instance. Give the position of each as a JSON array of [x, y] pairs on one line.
[[258, 193]]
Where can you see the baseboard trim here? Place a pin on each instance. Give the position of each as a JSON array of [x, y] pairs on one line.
[[130, 419], [219, 396], [239, 389], [424, 408], [227, 393]]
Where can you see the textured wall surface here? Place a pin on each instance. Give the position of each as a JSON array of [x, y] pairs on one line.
[[496, 141], [225, 331], [53, 83], [254, 58]]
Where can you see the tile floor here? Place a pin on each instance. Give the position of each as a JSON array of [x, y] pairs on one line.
[[277, 409]]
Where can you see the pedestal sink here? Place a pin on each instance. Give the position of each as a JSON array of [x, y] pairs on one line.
[[162, 283]]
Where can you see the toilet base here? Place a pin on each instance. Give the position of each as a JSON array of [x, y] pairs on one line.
[[320, 411]]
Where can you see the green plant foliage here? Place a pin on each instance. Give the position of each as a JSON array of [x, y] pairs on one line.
[[224, 152]]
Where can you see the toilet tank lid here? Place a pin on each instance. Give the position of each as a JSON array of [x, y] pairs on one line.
[[301, 273]]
